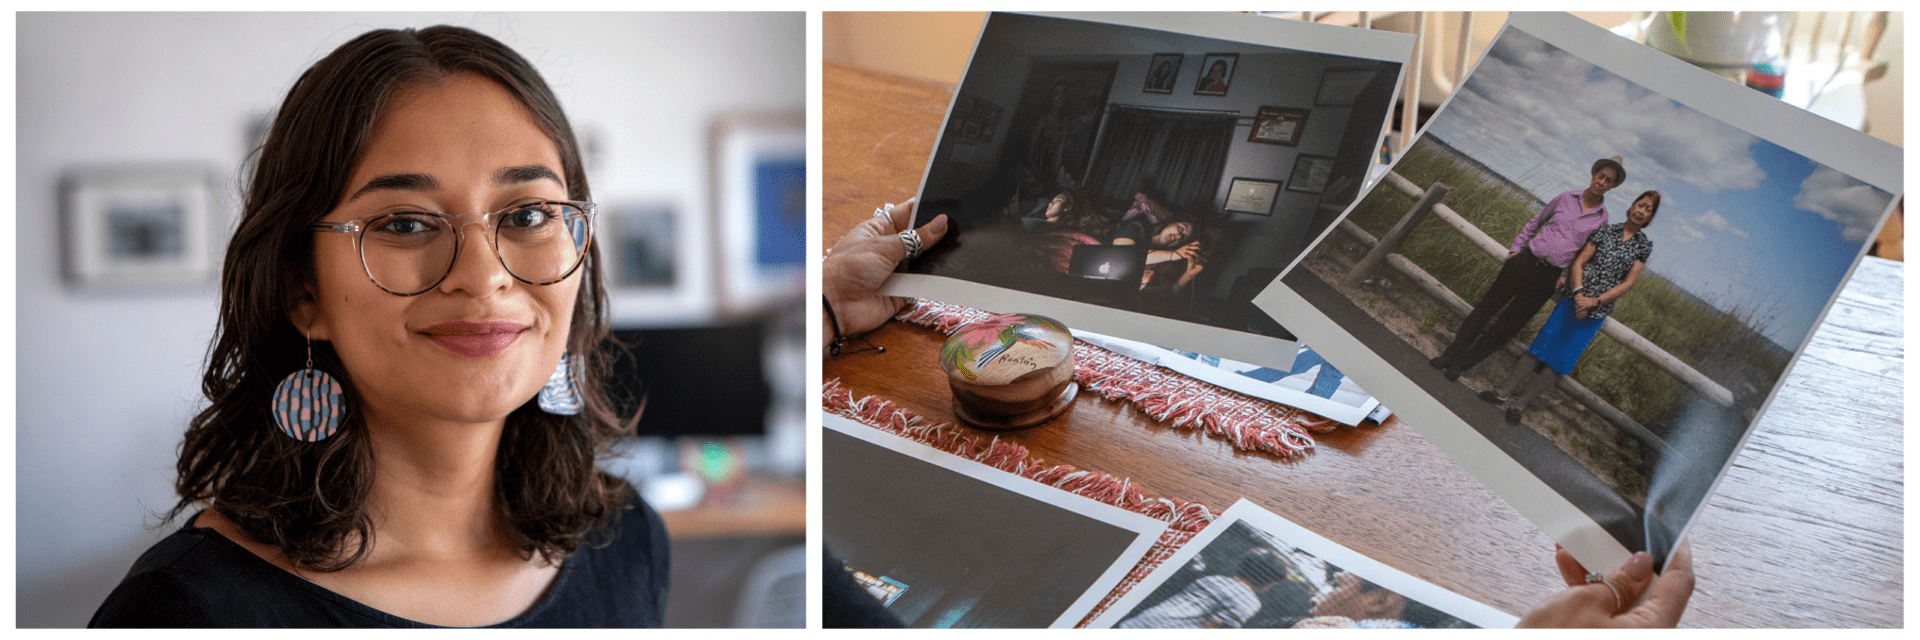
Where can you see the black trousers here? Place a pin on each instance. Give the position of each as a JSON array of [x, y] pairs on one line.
[[1524, 285]]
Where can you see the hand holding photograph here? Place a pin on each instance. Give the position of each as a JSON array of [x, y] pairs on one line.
[[1704, 228], [1189, 182]]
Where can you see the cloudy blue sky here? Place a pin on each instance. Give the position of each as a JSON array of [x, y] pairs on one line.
[[1743, 221]]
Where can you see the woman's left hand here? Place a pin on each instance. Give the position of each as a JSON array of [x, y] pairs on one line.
[[862, 260], [1597, 605]]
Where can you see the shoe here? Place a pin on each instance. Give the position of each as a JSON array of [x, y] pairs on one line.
[[1492, 398], [1452, 374], [1437, 363], [1513, 416]]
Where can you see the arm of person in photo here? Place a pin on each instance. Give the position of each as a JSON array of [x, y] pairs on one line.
[[1616, 602], [1186, 252], [1194, 265], [856, 266], [1532, 227], [1633, 275], [1583, 301]]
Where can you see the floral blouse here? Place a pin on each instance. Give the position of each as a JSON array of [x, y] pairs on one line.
[[1613, 258]]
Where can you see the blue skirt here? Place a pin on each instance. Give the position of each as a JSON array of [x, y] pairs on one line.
[[1564, 338]]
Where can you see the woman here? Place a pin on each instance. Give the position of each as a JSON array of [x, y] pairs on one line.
[[1067, 212], [412, 267], [1607, 267]]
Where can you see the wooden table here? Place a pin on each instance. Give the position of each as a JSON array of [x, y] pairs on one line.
[[1805, 530]]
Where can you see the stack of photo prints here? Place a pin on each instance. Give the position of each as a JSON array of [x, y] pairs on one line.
[[1258, 220]]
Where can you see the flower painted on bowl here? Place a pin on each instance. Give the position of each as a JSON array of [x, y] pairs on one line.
[[976, 345]]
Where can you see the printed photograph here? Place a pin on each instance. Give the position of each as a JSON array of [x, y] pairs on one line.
[[1103, 196], [1604, 282], [946, 542], [1252, 569]]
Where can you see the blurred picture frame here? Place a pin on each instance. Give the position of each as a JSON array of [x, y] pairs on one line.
[[1276, 125], [1216, 84], [759, 199], [640, 242], [1252, 195], [658, 266], [1162, 72], [1310, 173], [128, 226]]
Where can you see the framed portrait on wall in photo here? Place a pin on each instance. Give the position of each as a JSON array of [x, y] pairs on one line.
[[1216, 73], [1162, 72]]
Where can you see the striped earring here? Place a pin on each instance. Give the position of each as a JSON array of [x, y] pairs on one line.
[[561, 395], [308, 404]]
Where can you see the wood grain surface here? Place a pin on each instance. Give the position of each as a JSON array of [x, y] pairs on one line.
[[1804, 531]]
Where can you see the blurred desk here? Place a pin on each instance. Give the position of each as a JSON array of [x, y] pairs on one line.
[[1805, 530], [757, 506]]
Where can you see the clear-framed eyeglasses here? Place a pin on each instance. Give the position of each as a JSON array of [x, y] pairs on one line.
[[410, 252]]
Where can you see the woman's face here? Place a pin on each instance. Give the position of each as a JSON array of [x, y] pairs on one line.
[[1173, 235], [1054, 208], [1641, 213], [481, 343]]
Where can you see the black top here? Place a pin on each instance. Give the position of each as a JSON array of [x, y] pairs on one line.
[[199, 578]]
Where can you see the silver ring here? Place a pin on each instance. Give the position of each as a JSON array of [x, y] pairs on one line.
[[911, 238], [881, 212], [1596, 577]]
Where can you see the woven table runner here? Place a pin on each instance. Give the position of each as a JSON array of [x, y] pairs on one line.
[[1249, 423], [1184, 518]]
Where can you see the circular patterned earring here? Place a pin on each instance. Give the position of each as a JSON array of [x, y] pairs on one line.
[[308, 404]]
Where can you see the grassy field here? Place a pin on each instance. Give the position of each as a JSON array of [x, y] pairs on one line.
[[1725, 346]]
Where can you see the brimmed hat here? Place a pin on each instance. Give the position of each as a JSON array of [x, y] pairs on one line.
[[1610, 162]]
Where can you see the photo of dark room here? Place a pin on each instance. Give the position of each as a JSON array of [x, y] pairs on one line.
[[1085, 161]]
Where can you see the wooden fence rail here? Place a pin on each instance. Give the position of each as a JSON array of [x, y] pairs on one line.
[[1429, 202]]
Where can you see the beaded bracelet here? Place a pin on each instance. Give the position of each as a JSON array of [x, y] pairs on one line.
[[839, 341]]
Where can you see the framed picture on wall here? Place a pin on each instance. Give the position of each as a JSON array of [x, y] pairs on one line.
[[760, 190], [1274, 125], [1310, 173], [641, 244], [1216, 72], [1339, 87], [1162, 72], [140, 225], [1252, 195]]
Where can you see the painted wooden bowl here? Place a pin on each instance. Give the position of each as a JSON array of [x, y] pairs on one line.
[[1010, 371]]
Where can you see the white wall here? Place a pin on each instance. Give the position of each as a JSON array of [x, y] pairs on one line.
[[106, 382]]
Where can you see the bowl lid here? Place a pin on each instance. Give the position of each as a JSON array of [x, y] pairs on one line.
[[999, 349]]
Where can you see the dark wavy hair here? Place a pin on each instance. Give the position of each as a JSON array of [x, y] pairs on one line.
[[310, 499]]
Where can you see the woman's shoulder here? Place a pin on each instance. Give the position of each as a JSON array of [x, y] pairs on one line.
[[616, 579], [195, 577]]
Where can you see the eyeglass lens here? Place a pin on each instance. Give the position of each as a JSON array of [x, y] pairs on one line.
[[408, 253]]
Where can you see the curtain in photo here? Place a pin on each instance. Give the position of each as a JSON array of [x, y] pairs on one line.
[[1179, 154]]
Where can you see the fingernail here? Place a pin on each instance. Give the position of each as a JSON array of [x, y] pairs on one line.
[[1640, 565]]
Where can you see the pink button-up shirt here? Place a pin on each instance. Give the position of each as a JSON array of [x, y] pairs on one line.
[[1559, 241]]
